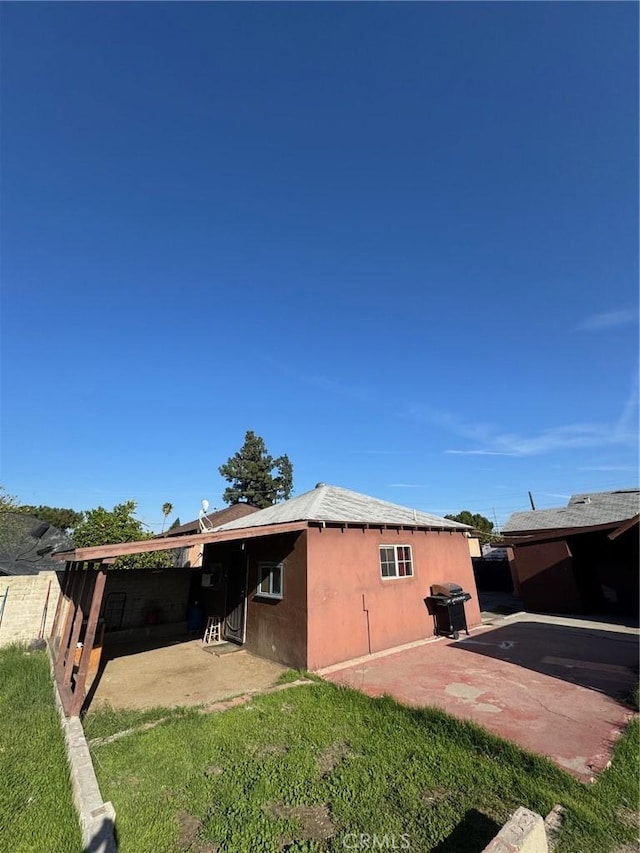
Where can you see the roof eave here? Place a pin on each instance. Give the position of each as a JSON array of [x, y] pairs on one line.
[[522, 537], [390, 525]]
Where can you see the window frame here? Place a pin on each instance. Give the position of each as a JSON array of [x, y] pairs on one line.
[[271, 566], [397, 560]]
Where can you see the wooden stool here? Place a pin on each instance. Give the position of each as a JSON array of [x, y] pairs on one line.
[[213, 632]]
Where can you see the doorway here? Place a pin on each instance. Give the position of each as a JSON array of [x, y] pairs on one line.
[[236, 608]]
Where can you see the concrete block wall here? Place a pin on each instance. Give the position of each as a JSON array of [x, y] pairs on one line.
[[22, 615], [164, 590], [524, 832]]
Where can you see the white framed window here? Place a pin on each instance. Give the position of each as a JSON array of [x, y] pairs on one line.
[[396, 561], [270, 576]]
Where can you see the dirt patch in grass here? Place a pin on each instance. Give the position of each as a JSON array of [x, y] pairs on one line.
[[316, 823], [263, 750], [330, 757], [188, 836], [437, 795], [628, 816]]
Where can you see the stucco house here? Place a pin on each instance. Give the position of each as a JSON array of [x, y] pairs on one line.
[[322, 578], [335, 575], [580, 558]]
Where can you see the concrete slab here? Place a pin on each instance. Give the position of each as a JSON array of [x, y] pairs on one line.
[[181, 674], [554, 689]]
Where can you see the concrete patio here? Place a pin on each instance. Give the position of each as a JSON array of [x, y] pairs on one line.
[[183, 673], [554, 686]]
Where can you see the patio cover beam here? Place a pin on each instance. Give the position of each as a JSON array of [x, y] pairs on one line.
[[70, 612], [63, 599], [147, 546], [79, 693], [628, 525], [68, 659]]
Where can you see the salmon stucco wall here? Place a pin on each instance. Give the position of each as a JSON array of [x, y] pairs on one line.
[[277, 629], [353, 611]]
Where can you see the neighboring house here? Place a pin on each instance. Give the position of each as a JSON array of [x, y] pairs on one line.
[[332, 575], [580, 558], [191, 557], [494, 552]]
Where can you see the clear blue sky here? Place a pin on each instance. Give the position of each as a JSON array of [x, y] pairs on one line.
[[399, 241]]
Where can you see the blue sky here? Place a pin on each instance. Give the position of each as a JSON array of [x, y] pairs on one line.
[[399, 241]]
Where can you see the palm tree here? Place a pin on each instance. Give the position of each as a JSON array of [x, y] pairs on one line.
[[167, 509]]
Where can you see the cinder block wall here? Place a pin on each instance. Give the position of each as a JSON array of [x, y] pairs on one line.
[[166, 590], [23, 610]]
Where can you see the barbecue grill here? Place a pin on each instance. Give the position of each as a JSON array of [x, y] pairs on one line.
[[446, 605]]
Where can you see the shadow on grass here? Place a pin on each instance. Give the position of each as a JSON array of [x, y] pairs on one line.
[[471, 835], [105, 840]]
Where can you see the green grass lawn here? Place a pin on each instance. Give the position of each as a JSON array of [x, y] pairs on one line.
[[311, 768], [36, 808]]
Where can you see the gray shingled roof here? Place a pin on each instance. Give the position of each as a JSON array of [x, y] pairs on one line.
[[583, 510], [331, 503]]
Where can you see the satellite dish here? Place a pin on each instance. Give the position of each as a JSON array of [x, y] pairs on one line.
[[26, 544], [203, 521]]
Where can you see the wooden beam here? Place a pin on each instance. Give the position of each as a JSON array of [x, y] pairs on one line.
[[148, 546], [61, 598], [69, 615], [89, 638], [68, 658], [66, 697], [628, 525]]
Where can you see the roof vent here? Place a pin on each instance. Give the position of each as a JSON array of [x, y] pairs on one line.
[[320, 485]]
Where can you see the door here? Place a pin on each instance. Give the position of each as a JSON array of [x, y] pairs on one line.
[[236, 609]]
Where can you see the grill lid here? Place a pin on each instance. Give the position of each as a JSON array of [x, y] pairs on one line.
[[447, 589]]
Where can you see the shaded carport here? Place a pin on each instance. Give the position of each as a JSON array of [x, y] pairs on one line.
[[72, 642], [588, 569]]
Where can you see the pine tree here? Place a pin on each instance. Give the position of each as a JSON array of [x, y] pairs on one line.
[[251, 474]]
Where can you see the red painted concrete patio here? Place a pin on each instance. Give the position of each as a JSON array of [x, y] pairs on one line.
[[553, 688]]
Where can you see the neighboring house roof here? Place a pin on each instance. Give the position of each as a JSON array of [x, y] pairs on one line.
[[333, 504], [26, 544], [589, 509], [221, 516]]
